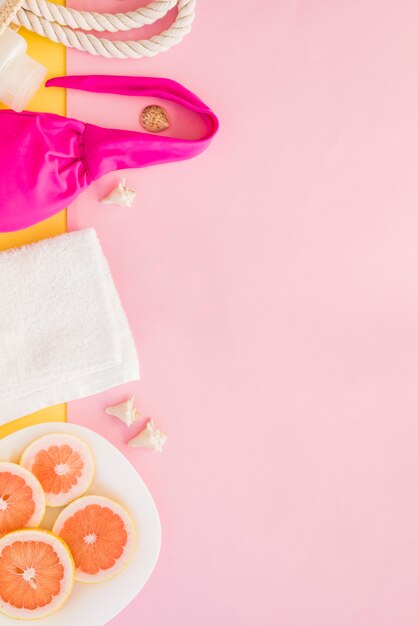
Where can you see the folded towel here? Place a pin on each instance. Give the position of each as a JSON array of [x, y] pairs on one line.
[[63, 332]]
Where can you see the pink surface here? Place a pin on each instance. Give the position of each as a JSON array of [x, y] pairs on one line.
[[271, 285]]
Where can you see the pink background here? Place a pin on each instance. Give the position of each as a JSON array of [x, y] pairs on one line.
[[271, 285]]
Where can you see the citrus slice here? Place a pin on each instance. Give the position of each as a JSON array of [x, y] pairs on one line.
[[36, 573], [63, 464], [22, 500], [100, 535]]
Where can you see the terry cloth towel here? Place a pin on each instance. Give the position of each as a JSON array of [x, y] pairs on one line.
[[63, 332]]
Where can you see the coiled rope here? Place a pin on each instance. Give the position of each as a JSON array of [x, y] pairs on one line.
[[67, 26]]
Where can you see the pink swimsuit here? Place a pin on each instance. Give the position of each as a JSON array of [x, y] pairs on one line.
[[46, 160]]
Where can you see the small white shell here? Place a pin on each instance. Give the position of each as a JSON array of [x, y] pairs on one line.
[[125, 411], [151, 438], [120, 195]]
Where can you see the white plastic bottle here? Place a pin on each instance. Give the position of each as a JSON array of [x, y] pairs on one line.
[[20, 76]]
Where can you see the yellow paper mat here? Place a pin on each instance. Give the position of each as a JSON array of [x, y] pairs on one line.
[[53, 100]]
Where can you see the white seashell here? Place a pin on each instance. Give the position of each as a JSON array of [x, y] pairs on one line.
[[125, 411], [120, 195], [151, 438]]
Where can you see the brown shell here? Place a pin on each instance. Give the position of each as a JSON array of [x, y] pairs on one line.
[[154, 119]]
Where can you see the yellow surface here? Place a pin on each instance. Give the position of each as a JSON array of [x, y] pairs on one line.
[[53, 100]]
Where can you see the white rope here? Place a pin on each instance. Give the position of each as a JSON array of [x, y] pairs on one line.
[[67, 26]]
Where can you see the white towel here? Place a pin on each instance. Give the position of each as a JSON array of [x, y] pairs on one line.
[[63, 332]]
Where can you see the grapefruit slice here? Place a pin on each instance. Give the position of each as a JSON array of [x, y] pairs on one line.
[[63, 464], [22, 500], [36, 573], [100, 535]]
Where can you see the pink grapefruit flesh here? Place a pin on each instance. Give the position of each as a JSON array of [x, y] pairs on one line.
[[36, 574], [63, 464], [22, 500], [100, 535]]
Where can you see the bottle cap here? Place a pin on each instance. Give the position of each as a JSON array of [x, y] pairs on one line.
[[20, 81], [20, 75]]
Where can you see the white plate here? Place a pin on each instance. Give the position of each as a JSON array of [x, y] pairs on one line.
[[95, 605]]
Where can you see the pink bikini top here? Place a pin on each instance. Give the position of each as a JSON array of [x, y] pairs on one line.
[[46, 160]]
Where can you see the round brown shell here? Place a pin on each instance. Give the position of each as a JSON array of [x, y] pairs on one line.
[[154, 119]]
